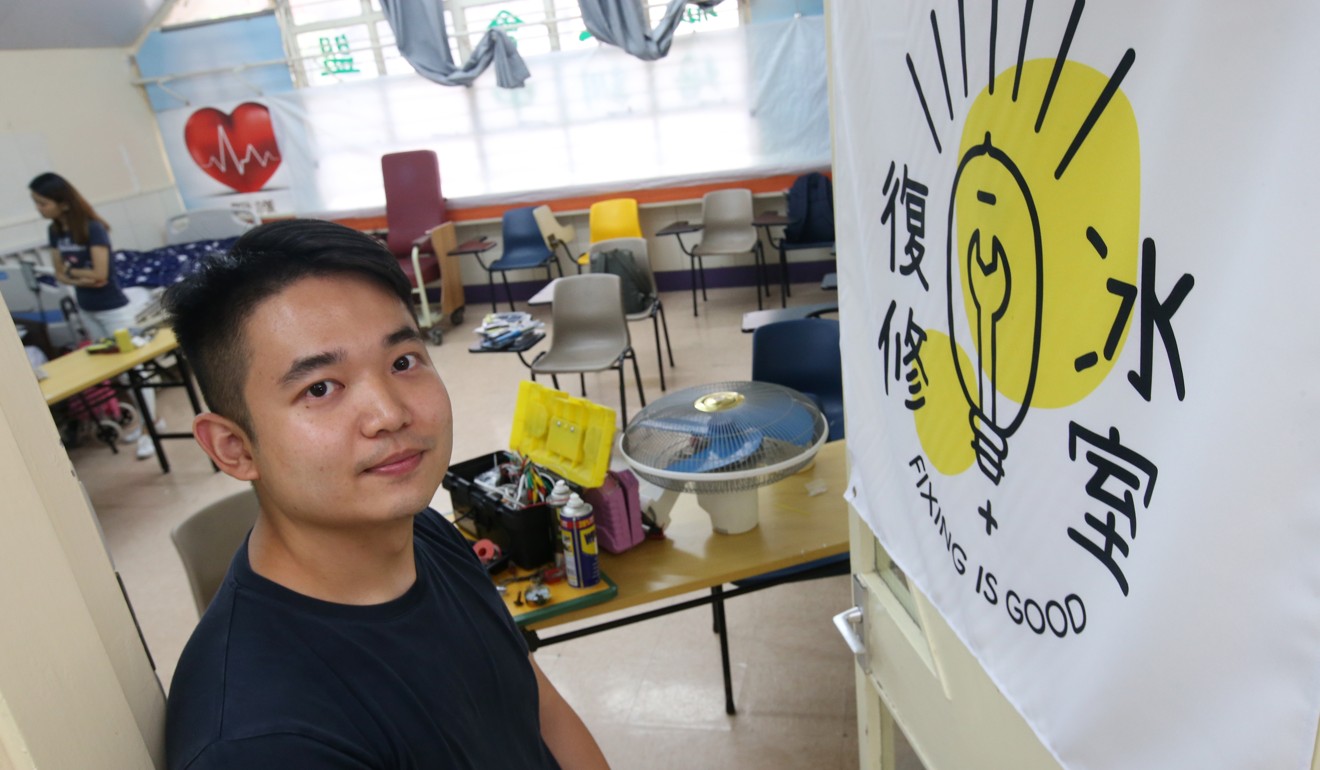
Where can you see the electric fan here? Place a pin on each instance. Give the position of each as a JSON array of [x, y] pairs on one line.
[[723, 441]]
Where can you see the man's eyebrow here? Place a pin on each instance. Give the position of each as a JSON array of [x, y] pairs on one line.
[[405, 333], [304, 366]]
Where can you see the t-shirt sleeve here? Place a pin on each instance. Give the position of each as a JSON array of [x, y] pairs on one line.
[[97, 235], [280, 751]]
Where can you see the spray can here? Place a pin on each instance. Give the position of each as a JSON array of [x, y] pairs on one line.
[[577, 531], [557, 499]]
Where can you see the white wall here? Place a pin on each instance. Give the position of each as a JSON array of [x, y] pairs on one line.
[[76, 686], [78, 111]]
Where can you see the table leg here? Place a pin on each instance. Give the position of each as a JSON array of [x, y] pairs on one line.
[[186, 374], [148, 419], [718, 593]]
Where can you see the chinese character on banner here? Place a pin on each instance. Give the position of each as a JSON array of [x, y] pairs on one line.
[[336, 57]]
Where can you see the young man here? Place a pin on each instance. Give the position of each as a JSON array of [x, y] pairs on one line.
[[355, 628]]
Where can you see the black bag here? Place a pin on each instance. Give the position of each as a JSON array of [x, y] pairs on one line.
[[811, 209], [638, 293]]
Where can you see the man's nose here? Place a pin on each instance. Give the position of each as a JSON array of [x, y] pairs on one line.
[[384, 408]]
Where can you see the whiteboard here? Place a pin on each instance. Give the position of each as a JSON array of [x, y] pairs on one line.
[[23, 155]]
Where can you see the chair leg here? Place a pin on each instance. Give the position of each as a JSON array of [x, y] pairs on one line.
[[785, 290], [637, 375], [659, 354], [623, 393], [490, 281], [783, 266], [554, 380], [762, 280], [421, 288], [692, 272], [582, 383], [665, 325], [508, 292], [701, 270]]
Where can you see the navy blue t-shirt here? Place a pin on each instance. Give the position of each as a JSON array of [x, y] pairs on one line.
[[438, 678], [107, 297]]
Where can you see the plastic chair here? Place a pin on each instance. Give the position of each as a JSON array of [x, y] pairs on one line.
[[207, 541], [726, 229], [610, 219], [803, 354], [811, 221], [590, 333], [555, 233], [656, 312], [414, 207], [524, 248]]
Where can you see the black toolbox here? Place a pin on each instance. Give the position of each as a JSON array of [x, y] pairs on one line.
[[527, 535]]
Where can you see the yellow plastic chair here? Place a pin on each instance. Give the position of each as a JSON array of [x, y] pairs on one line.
[[614, 218]]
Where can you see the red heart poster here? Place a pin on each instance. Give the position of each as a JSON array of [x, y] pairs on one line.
[[237, 149]]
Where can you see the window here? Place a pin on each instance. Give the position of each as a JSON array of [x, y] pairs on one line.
[[336, 41]]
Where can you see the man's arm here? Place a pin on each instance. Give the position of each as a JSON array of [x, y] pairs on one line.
[[563, 731]]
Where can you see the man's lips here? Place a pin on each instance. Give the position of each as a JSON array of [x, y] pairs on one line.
[[397, 463]]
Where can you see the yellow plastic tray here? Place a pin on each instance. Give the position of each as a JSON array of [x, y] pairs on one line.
[[570, 436]]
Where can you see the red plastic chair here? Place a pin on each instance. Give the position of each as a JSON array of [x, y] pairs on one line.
[[414, 207]]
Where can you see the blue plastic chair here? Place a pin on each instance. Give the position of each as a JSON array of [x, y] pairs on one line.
[[803, 354], [524, 248]]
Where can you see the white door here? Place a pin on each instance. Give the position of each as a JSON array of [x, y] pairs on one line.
[[914, 675]]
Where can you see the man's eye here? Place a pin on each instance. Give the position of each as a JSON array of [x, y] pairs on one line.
[[405, 362], [320, 389]]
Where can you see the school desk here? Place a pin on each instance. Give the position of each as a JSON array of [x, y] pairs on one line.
[[797, 529], [71, 374]]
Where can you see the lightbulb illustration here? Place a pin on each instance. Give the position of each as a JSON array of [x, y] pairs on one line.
[[995, 292]]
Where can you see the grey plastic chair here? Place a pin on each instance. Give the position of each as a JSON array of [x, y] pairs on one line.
[[207, 541], [726, 229], [589, 333], [656, 312]]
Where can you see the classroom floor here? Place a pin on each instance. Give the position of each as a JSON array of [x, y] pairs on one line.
[[651, 693]]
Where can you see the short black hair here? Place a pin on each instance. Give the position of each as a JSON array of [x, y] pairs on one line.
[[210, 306]]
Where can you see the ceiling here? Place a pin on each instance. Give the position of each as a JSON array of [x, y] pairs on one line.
[[30, 24]]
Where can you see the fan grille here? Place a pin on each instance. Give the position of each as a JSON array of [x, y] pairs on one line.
[[724, 437]]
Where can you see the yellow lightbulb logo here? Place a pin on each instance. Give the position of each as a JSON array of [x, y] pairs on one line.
[[994, 278], [1036, 277]]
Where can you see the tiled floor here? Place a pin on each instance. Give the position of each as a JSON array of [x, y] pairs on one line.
[[651, 693]]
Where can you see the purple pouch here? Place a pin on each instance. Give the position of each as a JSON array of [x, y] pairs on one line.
[[617, 509]]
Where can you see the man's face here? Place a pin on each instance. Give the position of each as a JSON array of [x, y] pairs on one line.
[[352, 424]]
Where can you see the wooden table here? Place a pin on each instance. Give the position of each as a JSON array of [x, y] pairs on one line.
[[476, 248], [796, 529], [71, 374]]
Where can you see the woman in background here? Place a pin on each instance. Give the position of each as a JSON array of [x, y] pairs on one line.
[[80, 253]]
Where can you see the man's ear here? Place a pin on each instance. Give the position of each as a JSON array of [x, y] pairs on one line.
[[227, 444]]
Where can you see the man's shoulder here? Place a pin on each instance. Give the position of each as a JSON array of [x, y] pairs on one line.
[[242, 681]]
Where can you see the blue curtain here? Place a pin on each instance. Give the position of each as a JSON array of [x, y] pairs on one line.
[[419, 31], [623, 23]]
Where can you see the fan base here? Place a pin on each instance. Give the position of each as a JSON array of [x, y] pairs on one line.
[[731, 513]]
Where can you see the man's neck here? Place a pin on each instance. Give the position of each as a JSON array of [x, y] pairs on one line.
[[360, 566]]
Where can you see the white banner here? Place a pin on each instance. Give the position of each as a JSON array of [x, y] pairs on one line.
[[1077, 283]]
